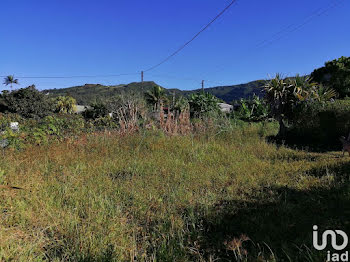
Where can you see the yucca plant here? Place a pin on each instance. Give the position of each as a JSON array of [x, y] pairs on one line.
[[280, 95], [326, 93], [287, 95], [304, 88]]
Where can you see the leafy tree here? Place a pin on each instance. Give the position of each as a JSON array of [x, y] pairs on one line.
[[27, 102], [203, 104], [335, 74], [10, 80], [65, 104], [156, 97]]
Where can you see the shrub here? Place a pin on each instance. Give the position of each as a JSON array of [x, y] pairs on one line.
[[320, 124], [103, 123], [255, 109], [203, 104], [96, 110], [27, 102], [65, 104], [40, 131]]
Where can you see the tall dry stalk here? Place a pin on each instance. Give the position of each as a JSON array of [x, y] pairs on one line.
[[128, 115], [175, 123]]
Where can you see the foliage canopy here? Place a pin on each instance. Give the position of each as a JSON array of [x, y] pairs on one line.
[[27, 102], [203, 103], [335, 74]]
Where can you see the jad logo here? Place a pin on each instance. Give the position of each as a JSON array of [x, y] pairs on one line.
[[339, 241]]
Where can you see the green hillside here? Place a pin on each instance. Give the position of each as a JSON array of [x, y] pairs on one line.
[[234, 92], [89, 93]]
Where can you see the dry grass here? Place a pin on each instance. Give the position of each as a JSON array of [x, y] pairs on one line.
[[152, 197], [175, 123]]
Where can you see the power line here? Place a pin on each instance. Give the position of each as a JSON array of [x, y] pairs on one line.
[[319, 12], [292, 28], [193, 38], [69, 77], [289, 28]]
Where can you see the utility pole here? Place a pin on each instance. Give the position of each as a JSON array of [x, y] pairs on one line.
[[141, 76], [203, 86]]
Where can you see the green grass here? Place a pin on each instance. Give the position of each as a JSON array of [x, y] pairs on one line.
[[148, 197]]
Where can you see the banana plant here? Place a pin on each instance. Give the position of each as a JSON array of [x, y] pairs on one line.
[[156, 97]]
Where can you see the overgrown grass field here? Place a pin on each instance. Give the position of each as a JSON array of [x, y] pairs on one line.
[[227, 196]]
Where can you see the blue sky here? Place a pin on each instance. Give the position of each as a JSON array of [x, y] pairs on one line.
[[103, 37]]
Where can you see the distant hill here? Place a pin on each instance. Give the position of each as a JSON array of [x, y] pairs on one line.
[[90, 93], [235, 92]]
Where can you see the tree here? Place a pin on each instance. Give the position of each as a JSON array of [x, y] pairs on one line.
[[10, 80], [65, 104], [335, 74], [203, 104], [284, 95], [156, 97], [27, 102]]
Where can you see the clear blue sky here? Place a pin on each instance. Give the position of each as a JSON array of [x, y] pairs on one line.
[[99, 37]]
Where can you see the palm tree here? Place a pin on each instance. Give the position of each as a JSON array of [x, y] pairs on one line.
[[10, 80], [156, 97]]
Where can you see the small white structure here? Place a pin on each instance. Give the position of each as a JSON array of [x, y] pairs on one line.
[[14, 126], [225, 108]]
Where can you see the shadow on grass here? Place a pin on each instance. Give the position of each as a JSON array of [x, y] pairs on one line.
[[279, 227], [307, 142]]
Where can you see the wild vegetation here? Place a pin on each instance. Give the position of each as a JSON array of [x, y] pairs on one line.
[[148, 197], [156, 176]]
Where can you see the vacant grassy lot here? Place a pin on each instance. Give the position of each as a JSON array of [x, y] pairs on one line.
[[148, 197]]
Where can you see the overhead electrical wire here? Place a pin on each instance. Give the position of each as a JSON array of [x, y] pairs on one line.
[[280, 34], [290, 29], [147, 70], [192, 39], [69, 77], [294, 27]]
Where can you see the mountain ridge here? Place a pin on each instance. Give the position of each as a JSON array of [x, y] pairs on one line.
[[89, 93]]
